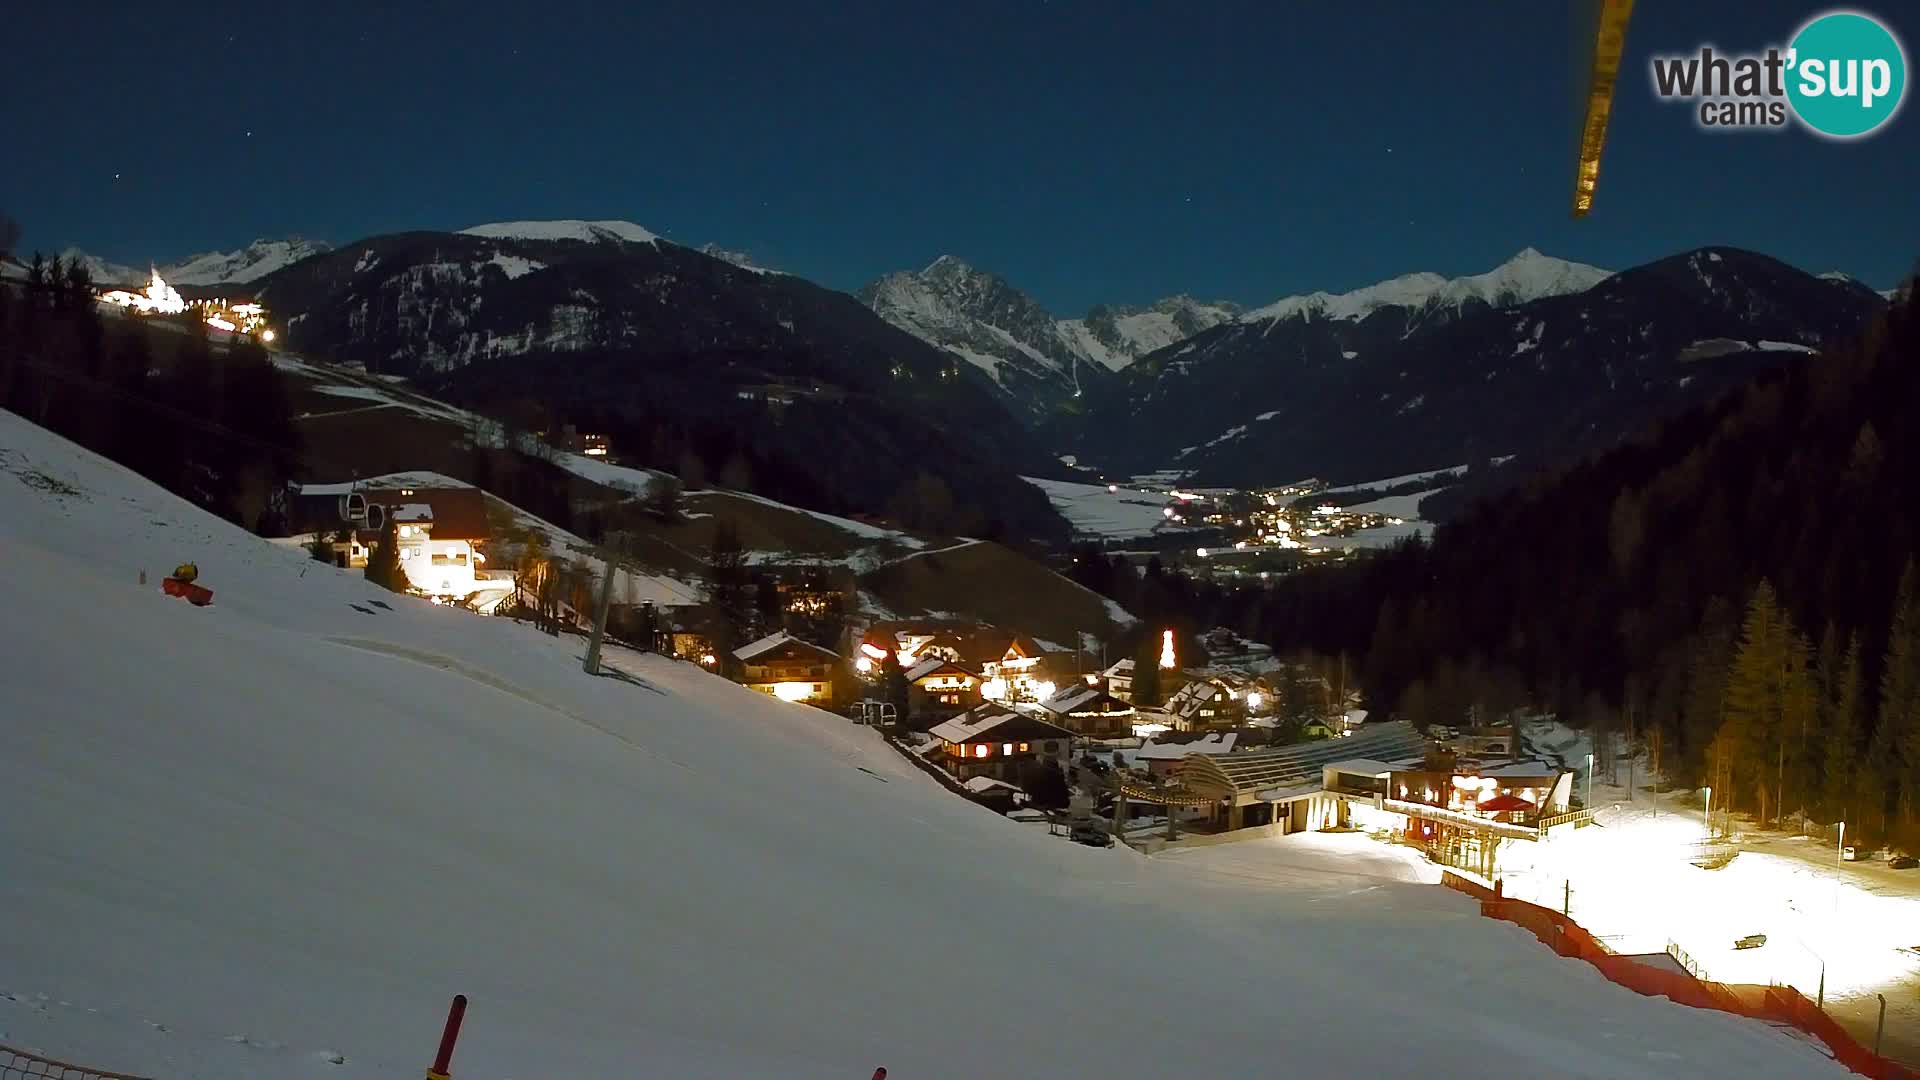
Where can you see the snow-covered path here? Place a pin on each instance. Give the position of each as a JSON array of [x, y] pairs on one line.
[[248, 839]]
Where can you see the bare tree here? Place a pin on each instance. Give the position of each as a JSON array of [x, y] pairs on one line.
[[9, 235]]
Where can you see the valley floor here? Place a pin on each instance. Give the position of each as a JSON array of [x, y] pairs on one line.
[[275, 835]]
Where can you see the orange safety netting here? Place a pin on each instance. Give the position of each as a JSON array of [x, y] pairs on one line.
[[20, 1065], [1775, 1004]]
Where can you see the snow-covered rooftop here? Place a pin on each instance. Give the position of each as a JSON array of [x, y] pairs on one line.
[[1362, 766], [745, 654], [1217, 743]]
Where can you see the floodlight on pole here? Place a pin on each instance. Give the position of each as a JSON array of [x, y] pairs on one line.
[[1706, 816], [1842, 853], [1589, 781]]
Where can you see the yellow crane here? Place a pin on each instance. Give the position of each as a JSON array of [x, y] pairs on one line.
[[1609, 42]]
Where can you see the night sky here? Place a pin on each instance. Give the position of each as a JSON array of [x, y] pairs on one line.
[[1089, 152]]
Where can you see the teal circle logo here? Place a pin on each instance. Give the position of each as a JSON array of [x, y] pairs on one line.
[[1846, 75]]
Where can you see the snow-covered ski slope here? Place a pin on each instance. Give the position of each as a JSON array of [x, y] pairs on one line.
[[243, 840]]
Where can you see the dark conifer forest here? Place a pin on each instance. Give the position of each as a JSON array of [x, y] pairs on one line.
[[1736, 589]]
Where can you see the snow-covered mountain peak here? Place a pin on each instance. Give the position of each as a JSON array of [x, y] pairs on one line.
[[980, 317], [592, 232], [102, 271], [250, 263], [1529, 275], [741, 259], [948, 266]]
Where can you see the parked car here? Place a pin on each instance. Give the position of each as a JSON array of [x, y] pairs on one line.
[[1903, 862], [1092, 835]]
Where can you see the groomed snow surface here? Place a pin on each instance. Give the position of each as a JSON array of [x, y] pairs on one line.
[[1092, 509], [241, 840]]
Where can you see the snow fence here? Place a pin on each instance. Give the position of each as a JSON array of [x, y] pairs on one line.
[[1775, 1004], [20, 1065]]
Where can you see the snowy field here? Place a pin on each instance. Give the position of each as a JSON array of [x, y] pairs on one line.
[[252, 839], [1855, 926], [1383, 536], [1092, 509]]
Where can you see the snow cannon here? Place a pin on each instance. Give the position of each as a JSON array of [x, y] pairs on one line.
[[183, 585]]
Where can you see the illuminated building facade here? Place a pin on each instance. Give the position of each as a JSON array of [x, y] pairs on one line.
[[995, 741], [790, 669]]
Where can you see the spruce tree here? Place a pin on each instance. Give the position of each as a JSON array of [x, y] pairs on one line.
[[893, 686], [1900, 690], [1146, 673], [1768, 701], [1843, 730], [383, 562], [729, 591]]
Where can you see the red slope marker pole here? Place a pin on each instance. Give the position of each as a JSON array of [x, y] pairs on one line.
[[443, 1060]]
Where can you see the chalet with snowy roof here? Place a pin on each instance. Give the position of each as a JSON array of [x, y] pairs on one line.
[[995, 741], [1203, 703], [1119, 679], [440, 531], [972, 645], [1387, 778], [790, 669], [938, 689], [1090, 711], [1018, 674]]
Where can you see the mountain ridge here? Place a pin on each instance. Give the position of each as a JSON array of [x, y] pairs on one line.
[[1423, 384]]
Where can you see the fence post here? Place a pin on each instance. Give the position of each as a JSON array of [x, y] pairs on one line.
[[443, 1060]]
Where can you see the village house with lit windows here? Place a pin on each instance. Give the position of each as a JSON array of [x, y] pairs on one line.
[[1462, 810], [938, 689], [790, 669], [1202, 704], [1086, 709], [1012, 666], [995, 741], [440, 533], [1119, 679]]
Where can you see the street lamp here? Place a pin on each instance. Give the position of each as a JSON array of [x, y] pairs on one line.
[[1842, 853], [1589, 781], [1706, 816]]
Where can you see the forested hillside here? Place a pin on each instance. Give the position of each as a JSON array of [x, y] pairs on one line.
[[1736, 587], [208, 421]]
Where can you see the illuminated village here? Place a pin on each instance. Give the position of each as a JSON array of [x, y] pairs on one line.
[[159, 298]]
